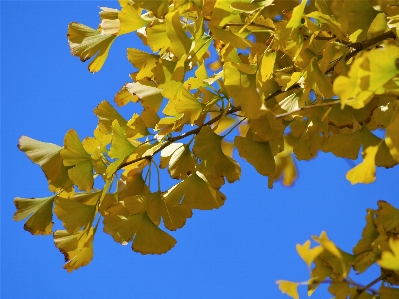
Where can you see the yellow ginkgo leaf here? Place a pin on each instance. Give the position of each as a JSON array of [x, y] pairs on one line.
[[47, 156], [130, 19], [288, 287], [365, 171], [120, 149], [40, 212], [180, 43], [207, 146], [392, 139], [242, 88], [187, 103], [87, 42], [75, 155], [182, 163], [173, 217], [77, 248], [390, 260], [196, 193], [258, 154], [74, 214], [132, 223], [106, 115], [307, 254]]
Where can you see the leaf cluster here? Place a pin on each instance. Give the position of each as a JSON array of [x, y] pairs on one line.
[[277, 81], [328, 264]]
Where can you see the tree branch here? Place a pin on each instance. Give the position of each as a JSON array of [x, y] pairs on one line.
[[360, 46], [365, 288]]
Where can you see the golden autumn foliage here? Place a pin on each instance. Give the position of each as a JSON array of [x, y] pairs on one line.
[[291, 79]]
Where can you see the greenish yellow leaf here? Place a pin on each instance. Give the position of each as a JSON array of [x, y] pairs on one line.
[[180, 43], [158, 7], [392, 137], [365, 171], [167, 153], [390, 260], [134, 224], [76, 248], [39, 211], [307, 254], [296, 16], [120, 147], [131, 185], [73, 154], [75, 214], [348, 145], [144, 62], [173, 217], [229, 37], [327, 21], [267, 65], [267, 127], [339, 289], [242, 88], [285, 166], [383, 66], [288, 287], [186, 103], [157, 38], [207, 147], [258, 154], [86, 42], [364, 248], [135, 128], [47, 156], [146, 93], [317, 80], [307, 146], [360, 16], [386, 215], [182, 163], [195, 193], [106, 115], [387, 292], [130, 19]]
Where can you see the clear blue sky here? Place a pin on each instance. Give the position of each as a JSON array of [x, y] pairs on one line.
[[238, 251]]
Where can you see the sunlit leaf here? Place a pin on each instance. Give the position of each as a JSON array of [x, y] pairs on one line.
[[106, 115], [390, 260], [39, 211], [288, 287], [77, 248], [86, 42], [180, 43], [195, 193], [365, 171], [307, 254], [73, 154], [130, 19], [47, 156]]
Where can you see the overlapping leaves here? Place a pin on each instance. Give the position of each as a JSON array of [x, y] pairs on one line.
[[276, 81]]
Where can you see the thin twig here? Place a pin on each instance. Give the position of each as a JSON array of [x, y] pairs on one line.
[[365, 288]]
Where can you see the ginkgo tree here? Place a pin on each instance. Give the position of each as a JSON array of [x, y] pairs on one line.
[[290, 79]]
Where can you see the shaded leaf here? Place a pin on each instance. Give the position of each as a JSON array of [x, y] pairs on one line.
[[390, 260], [195, 193]]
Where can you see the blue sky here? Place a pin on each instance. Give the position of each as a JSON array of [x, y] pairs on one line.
[[237, 251]]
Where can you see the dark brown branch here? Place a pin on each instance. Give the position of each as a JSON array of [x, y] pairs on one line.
[[184, 135], [360, 46], [365, 288]]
